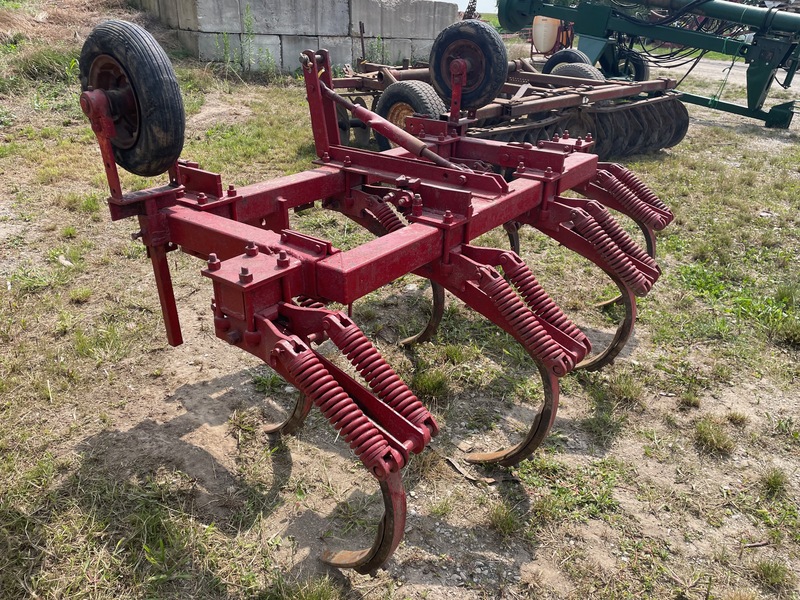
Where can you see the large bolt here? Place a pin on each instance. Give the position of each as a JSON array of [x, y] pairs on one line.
[[283, 259], [416, 206], [231, 190], [251, 249], [448, 216], [214, 263], [245, 276], [201, 198]]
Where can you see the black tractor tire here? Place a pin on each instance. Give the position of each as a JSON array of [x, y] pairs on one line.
[[483, 49], [511, 17], [565, 56], [122, 58], [633, 66], [403, 99], [578, 70]]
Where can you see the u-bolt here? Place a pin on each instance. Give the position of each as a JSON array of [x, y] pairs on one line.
[[612, 255], [523, 321], [311, 377], [378, 374], [637, 209]]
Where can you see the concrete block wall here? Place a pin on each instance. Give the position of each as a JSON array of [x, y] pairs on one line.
[[395, 29]]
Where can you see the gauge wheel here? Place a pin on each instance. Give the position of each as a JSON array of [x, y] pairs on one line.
[[478, 44], [125, 61], [565, 56], [578, 70], [403, 99], [633, 66]]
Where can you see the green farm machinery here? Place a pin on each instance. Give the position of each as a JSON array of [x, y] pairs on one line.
[[623, 38]]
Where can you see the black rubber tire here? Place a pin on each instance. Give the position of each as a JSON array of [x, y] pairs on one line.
[[158, 140], [480, 43], [403, 98], [633, 65], [578, 70], [565, 56], [511, 17]]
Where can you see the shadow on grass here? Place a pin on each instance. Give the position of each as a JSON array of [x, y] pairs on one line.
[[144, 512]]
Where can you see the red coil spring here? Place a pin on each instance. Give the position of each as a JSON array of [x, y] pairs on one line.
[[613, 256], [386, 216], [537, 298], [535, 339], [640, 188], [638, 210], [311, 377], [378, 374], [619, 235], [307, 302]]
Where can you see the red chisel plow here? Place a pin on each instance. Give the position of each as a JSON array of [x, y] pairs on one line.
[[425, 200]]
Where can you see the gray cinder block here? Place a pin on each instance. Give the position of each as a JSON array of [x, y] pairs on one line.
[[340, 49], [333, 18], [370, 13], [294, 45]]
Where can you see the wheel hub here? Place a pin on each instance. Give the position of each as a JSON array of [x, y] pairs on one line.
[[472, 54], [108, 75]]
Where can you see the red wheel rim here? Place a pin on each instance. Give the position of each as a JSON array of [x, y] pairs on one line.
[[108, 75]]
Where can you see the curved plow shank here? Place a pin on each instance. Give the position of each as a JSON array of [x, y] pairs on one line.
[[531, 317], [437, 312], [389, 536], [587, 228], [540, 427], [294, 421]]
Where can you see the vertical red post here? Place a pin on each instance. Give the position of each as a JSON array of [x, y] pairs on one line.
[[166, 295]]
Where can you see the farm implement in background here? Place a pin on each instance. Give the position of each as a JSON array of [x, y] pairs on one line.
[[426, 201], [679, 32], [624, 117]]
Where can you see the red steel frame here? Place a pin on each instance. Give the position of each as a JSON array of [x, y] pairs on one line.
[[272, 283]]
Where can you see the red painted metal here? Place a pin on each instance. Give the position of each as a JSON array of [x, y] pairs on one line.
[[426, 200]]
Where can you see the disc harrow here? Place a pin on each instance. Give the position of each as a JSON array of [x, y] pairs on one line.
[[625, 118], [425, 201]]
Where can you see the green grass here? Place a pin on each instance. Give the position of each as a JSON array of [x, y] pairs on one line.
[[711, 437], [774, 482], [773, 574], [561, 492]]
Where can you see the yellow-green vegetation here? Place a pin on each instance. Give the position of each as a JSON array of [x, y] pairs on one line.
[[129, 469]]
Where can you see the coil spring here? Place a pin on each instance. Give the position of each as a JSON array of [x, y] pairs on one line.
[[537, 298], [307, 302], [613, 256], [386, 216], [637, 209], [535, 339], [638, 187], [619, 235], [379, 375], [311, 377]]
